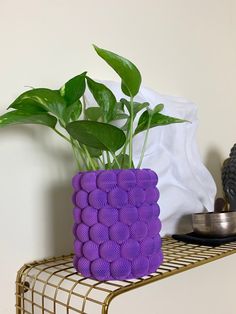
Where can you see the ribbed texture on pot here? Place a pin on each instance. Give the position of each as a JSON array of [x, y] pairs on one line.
[[116, 225]]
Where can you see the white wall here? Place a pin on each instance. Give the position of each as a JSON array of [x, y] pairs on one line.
[[182, 47]]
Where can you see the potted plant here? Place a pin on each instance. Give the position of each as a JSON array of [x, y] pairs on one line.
[[116, 225]]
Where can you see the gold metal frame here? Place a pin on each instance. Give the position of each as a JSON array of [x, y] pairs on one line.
[[57, 276]]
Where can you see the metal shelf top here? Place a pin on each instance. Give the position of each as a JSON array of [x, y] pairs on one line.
[[52, 285]]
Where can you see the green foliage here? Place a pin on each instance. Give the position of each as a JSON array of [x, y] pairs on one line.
[[104, 97], [118, 112], [72, 112], [97, 135], [94, 152], [93, 113], [156, 119], [158, 108], [127, 71], [28, 105], [21, 117], [74, 89], [44, 98], [123, 160], [136, 106], [96, 142]]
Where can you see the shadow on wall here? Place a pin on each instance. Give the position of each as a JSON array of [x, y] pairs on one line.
[[58, 226], [214, 161], [60, 215], [60, 218]]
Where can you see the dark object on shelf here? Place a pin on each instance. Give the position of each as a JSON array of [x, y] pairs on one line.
[[214, 225], [220, 205], [229, 178], [198, 239]]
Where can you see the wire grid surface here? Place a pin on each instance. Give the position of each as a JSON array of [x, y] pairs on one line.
[[52, 285]]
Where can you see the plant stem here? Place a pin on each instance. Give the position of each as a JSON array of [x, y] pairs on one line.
[[116, 160], [103, 160], [84, 105], [62, 135], [145, 142], [76, 157], [96, 163], [123, 152], [89, 158], [73, 147], [108, 159], [78, 148], [131, 132], [75, 152]]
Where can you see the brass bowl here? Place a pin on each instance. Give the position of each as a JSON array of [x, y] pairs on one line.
[[215, 224]]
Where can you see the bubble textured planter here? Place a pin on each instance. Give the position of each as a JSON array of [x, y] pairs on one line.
[[116, 225]]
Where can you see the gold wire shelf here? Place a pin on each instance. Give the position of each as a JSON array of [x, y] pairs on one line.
[[52, 285]]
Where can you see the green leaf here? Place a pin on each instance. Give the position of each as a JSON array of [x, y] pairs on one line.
[[28, 105], [157, 119], [72, 112], [136, 106], [139, 106], [74, 88], [93, 113], [120, 116], [104, 97], [94, 152], [128, 72], [158, 108], [123, 161], [47, 99], [126, 104], [97, 134], [119, 106], [136, 109], [21, 117], [118, 112], [125, 127]]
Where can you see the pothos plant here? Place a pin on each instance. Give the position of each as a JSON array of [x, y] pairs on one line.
[[96, 142]]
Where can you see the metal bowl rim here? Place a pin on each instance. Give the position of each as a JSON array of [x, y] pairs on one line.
[[214, 216]]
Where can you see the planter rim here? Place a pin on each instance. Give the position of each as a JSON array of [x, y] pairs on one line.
[[98, 170]]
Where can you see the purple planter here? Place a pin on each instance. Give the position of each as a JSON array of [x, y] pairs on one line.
[[116, 223]]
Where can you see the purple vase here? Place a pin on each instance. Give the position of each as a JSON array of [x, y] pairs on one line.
[[116, 225]]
